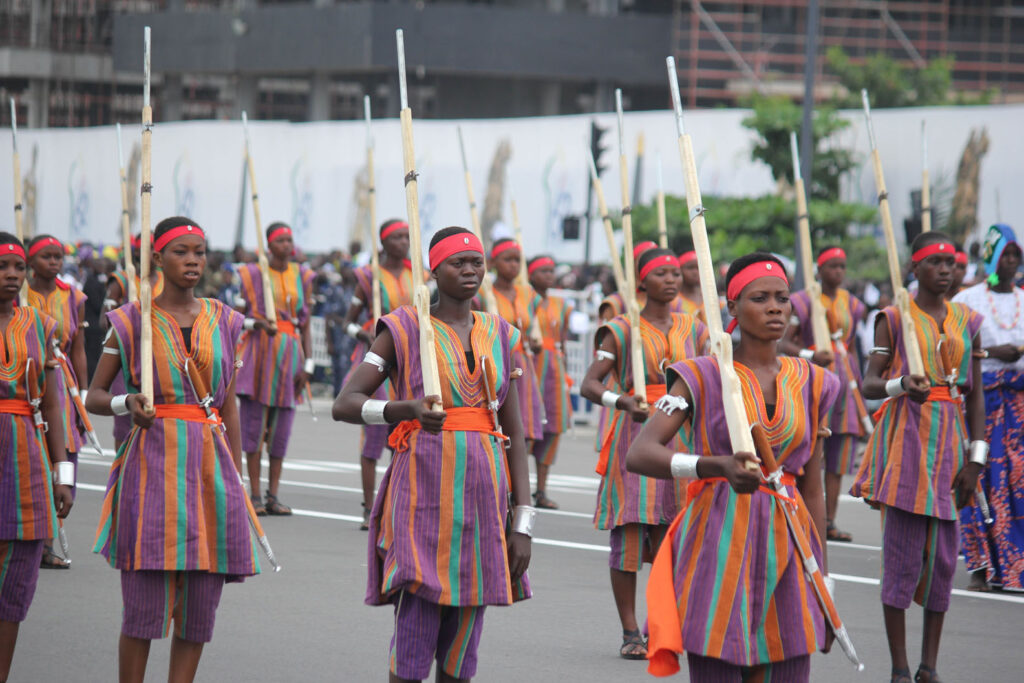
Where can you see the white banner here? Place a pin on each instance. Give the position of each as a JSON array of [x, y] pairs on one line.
[[308, 174]]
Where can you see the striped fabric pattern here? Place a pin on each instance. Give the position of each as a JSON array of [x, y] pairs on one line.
[[617, 303], [269, 363], [553, 316], [26, 492], [122, 280], [917, 449], [843, 312], [741, 594], [174, 499], [519, 312], [624, 497], [62, 304], [437, 528]]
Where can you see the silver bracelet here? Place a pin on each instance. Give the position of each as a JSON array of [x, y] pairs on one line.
[[239, 302], [64, 473], [609, 399], [601, 354], [979, 452], [522, 520], [684, 466], [249, 324], [309, 366], [372, 412], [119, 405], [355, 301], [352, 330], [670, 403], [880, 351], [377, 361], [806, 354], [894, 387]]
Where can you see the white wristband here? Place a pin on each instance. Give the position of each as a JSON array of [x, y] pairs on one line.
[[979, 452], [119, 405], [609, 399], [522, 521], [894, 387], [684, 466], [806, 354], [249, 324], [372, 412], [309, 366], [84, 393], [352, 330], [830, 586], [64, 473]]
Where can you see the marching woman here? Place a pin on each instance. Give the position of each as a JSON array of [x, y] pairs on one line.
[[916, 466], [995, 553], [32, 498], [440, 550], [517, 304], [690, 299], [395, 291], [844, 313], [277, 362], [728, 586], [552, 376], [636, 509], [175, 519], [615, 303], [66, 305]]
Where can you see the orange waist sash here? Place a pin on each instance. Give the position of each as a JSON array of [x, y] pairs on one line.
[[187, 413], [15, 406], [288, 327], [940, 393], [550, 344], [654, 392], [694, 488], [456, 420]]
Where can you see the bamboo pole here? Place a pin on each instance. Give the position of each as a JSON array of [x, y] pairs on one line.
[[486, 292], [19, 220], [421, 295], [819, 323], [371, 193], [126, 226], [915, 361], [926, 190], [632, 307], [261, 253], [660, 201], [720, 341], [523, 279], [146, 249], [606, 220]]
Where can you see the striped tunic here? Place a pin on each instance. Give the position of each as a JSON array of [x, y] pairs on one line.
[[739, 588], [122, 279], [26, 492], [624, 497], [917, 449], [438, 524], [553, 316], [843, 313], [269, 363], [123, 423], [174, 500], [394, 293], [64, 304], [520, 311], [617, 303]]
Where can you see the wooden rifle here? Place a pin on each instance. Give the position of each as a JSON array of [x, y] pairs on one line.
[[146, 248], [270, 308], [126, 226], [609, 231], [486, 291], [19, 220], [926, 190], [371, 193]]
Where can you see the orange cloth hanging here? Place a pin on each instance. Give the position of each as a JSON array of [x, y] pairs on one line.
[[654, 392], [456, 420]]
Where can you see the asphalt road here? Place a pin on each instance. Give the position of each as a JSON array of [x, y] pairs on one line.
[[309, 623]]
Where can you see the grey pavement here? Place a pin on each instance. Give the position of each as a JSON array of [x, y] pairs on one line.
[[309, 623]]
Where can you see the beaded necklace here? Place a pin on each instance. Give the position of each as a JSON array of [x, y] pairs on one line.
[[995, 315]]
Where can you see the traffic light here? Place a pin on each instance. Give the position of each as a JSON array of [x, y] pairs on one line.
[[596, 133]]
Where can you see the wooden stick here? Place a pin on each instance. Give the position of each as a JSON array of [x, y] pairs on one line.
[[126, 226], [146, 249], [261, 254], [915, 361], [819, 323], [371, 193], [926, 190], [523, 278], [660, 200], [486, 292], [19, 221], [632, 307], [720, 341], [421, 295], [609, 230]]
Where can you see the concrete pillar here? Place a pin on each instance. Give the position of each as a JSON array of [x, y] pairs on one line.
[[246, 96], [604, 97], [550, 99], [171, 97], [38, 95], [319, 97]]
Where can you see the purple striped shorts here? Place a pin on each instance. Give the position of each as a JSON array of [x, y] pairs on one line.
[[426, 631], [918, 559], [632, 545], [154, 599], [710, 670], [19, 570], [273, 423]]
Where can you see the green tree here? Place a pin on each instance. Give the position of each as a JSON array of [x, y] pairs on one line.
[[889, 82]]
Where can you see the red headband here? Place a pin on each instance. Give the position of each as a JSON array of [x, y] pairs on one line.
[[15, 249], [42, 244], [829, 254], [175, 233], [504, 246], [137, 242], [937, 248], [391, 227], [279, 232], [961, 258], [658, 262], [454, 244], [686, 257], [542, 262], [751, 273], [642, 247]]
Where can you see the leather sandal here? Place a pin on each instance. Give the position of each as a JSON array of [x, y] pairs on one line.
[[929, 675], [52, 560], [834, 534], [257, 505], [634, 645], [900, 676], [365, 526], [540, 500], [275, 507]]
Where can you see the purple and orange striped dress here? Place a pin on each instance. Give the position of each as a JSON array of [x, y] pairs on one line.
[[26, 491], [917, 449], [519, 311], [617, 303], [624, 497], [736, 579], [121, 278], [174, 499], [552, 378], [64, 304], [123, 423], [438, 524], [269, 363]]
